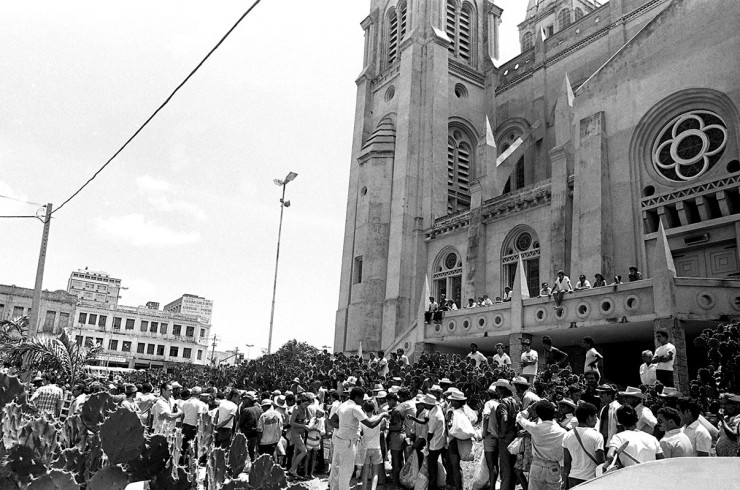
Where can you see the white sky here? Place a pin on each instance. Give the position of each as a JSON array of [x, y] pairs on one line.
[[189, 206]]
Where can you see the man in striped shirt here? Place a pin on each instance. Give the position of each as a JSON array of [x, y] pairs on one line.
[[48, 398]]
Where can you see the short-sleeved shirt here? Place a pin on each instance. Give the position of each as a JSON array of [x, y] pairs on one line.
[[371, 437], [642, 446], [225, 409], [437, 426], [270, 424], [421, 430], [663, 350], [479, 358], [647, 374], [562, 285], [699, 437], [47, 398], [191, 409], [591, 356], [676, 444], [350, 415], [161, 406], [554, 356], [583, 467], [530, 356], [502, 360]]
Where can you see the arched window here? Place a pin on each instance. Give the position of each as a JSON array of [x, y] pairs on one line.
[[447, 275], [579, 13], [527, 41], [522, 242], [402, 21], [563, 19], [459, 167], [392, 37], [461, 28]]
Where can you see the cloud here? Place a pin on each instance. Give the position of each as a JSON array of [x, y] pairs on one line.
[[139, 232], [161, 195]]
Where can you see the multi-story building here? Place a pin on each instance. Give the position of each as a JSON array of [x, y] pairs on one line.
[[190, 304], [141, 337], [57, 307], [94, 288], [611, 141]]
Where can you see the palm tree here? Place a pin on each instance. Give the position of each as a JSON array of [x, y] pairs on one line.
[[59, 354], [12, 333]]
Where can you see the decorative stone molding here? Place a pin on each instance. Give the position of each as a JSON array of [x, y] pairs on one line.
[[467, 73]]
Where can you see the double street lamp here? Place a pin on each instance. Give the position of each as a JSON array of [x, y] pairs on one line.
[[283, 204]]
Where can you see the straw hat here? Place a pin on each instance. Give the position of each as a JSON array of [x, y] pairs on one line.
[[632, 391]]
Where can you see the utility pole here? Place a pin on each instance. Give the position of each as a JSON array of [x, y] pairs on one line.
[[36, 305], [213, 350], [249, 347]]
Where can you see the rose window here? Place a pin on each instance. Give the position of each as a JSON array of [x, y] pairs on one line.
[[523, 242], [451, 261], [689, 146]]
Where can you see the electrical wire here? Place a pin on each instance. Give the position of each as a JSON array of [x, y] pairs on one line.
[[21, 216], [20, 200], [167, 100]]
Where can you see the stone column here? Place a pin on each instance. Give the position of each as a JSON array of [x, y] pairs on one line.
[[677, 337], [515, 349]]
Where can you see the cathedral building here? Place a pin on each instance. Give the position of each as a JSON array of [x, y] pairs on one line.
[[610, 142]]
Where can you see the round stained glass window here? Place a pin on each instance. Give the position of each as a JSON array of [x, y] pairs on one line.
[[689, 146], [523, 242], [451, 261]]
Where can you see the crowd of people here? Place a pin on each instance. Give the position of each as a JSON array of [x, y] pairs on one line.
[[546, 425]]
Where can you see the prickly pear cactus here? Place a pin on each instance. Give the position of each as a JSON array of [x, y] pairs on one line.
[[122, 436], [74, 433], [216, 470], [23, 463], [13, 422], [10, 387], [205, 434], [72, 460], [238, 455], [94, 457], [153, 459], [266, 475], [41, 436], [174, 440], [54, 480], [96, 409], [109, 478]]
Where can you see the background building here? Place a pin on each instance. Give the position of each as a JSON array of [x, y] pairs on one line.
[[190, 304], [94, 288], [469, 175], [57, 307]]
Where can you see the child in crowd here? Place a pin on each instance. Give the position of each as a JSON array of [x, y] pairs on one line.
[[316, 429], [371, 443]]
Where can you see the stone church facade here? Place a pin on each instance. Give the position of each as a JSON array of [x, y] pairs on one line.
[[611, 141]]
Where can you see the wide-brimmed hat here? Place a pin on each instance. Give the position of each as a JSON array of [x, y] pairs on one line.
[[492, 388], [436, 388], [130, 388], [670, 392], [277, 393], [452, 390], [266, 402], [445, 381], [605, 388], [569, 402], [520, 380], [381, 394], [196, 391], [428, 399], [503, 383], [250, 394], [296, 380], [459, 397], [632, 391], [394, 389], [280, 401]]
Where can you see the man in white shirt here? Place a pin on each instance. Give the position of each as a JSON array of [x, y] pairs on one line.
[[525, 394], [664, 356], [529, 360], [431, 309], [562, 285], [647, 369], [382, 364], [347, 420], [501, 358], [226, 412], [436, 436], [675, 444], [641, 447], [402, 358], [591, 364], [547, 445], [583, 447], [701, 441], [608, 414], [489, 430], [633, 397], [474, 354], [192, 407], [164, 410]]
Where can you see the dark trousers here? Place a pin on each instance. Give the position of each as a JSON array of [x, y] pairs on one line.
[[454, 469], [188, 434], [665, 377], [267, 449], [223, 438], [432, 460], [252, 445]]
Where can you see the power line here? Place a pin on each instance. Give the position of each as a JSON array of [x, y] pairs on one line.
[[21, 216], [167, 100], [20, 200]]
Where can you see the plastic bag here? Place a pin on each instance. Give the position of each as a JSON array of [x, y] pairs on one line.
[[422, 478], [441, 475], [409, 471], [461, 427], [465, 448], [482, 477], [516, 446]]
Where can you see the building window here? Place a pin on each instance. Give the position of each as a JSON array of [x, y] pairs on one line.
[[579, 13], [392, 37], [173, 351], [460, 28], [527, 41], [126, 346], [116, 323], [189, 331], [459, 166], [150, 349], [200, 354], [140, 348], [163, 328], [521, 242], [447, 276], [82, 318], [176, 329], [92, 319], [130, 323], [689, 146], [88, 342], [101, 320], [113, 345], [358, 270], [160, 350], [63, 320], [202, 332], [563, 19], [154, 327], [78, 340], [99, 341], [48, 327], [186, 352], [144, 326]]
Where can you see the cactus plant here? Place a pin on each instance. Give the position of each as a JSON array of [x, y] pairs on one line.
[[41, 436], [96, 409], [216, 469], [74, 433], [205, 433], [122, 436], [238, 455], [54, 480], [266, 475], [13, 421], [109, 478], [73, 460], [22, 462], [10, 387], [153, 459]]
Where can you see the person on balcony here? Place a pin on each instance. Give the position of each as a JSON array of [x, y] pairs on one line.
[[634, 274], [471, 304], [487, 301], [431, 308], [617, 280], [507, 294], [562, 286], [599, 281], [545, 291], [582, 283]]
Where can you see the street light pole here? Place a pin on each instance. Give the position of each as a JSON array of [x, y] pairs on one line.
[[249, 347], [283, 204]]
